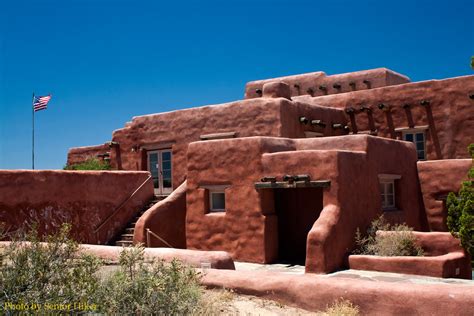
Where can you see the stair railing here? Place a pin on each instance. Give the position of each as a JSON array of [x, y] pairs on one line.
[[150, 232], [118, 208]]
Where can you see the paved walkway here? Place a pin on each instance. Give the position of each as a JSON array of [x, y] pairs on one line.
[[352, 274]]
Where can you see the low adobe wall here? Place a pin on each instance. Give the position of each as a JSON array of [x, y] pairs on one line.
[[81, 154], [315, 292], [443, 258], [84, 199], [165, 219], [193, 258], [437, 179]]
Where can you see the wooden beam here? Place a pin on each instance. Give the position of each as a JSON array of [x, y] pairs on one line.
[[297, 184]]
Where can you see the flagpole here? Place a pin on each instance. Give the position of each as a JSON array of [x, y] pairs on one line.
[[33, 138]]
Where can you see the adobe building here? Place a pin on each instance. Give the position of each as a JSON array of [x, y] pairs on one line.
[[292, 170]]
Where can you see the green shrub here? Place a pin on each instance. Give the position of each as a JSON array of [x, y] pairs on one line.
[[146, 288], [47, 273], [58, 279], [400, 243], [90, 164], [460, 218]]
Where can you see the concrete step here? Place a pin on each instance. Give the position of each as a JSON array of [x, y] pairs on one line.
[[126, 237]]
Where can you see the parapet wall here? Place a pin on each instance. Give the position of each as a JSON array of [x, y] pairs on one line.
[[84, 199], [441, 108], [318, 83], [81, 154]]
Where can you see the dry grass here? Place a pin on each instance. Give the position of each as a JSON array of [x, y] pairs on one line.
[[215, 303], [341, 307], [226, 302]]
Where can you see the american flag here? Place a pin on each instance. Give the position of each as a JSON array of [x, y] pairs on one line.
[[40, 103]]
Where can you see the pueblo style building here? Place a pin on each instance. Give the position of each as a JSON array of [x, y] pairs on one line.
[[292, 170]]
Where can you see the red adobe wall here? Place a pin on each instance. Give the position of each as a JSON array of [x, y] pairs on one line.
[[83, 198], [443, 258], [248, 228], [242, 229], [81, 154], [449, 114], [374, 297], [260, 117], [309, 83], [165, 219], [437, 179]]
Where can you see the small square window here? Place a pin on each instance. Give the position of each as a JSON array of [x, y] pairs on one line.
[[217, 201]]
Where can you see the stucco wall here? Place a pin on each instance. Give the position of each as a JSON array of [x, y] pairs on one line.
[[249, 227], [242, 229], [175, 130], [83, 198], [437, 179], [166, 219], [309, 83], [81, 154], [449, 114]]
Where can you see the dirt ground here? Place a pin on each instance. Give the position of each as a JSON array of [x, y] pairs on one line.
[[224, 302]]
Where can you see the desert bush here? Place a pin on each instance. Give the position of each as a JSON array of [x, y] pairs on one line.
[[56, 277], [150, 288], [341, 307], [90, 164], [460, 218], [47, 273], [400, 243]]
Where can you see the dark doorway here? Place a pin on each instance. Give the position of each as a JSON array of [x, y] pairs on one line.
[[297, 210]]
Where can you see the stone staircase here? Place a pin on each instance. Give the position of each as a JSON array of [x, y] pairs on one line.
[[126, 238]]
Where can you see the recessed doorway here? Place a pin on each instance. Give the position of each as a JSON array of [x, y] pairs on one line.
[[297, 210], [159, 165]]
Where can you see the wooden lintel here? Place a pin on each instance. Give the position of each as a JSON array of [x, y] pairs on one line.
[[297, 184]]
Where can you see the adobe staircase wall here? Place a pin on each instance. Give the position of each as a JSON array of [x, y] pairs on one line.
[[84, 199], [165, 219]]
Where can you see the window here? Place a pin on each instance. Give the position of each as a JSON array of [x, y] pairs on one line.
[[217, 201], [418, 138], [387, 190]]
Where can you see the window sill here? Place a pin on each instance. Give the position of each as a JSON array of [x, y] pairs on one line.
[[391, 209], [215, 213]]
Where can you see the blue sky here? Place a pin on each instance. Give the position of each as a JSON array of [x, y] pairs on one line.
[[106, 61]]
